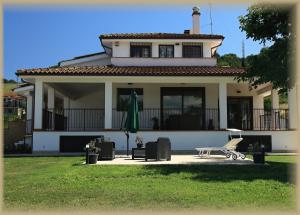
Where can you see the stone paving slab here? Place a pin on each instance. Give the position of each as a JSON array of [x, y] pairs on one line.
[[178, 159]]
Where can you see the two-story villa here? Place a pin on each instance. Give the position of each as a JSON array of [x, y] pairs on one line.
[[182, 94]]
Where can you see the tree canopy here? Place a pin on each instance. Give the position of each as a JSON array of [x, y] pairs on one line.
[[269, 23], [231, 60], [9, 81]]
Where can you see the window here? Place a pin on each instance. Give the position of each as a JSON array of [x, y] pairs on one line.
[[183, 108], [166, 51], [192, 50], [124, 95], [140, 50]]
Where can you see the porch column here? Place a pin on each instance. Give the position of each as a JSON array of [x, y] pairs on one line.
[[292, 104], [51, 106], [38, 105], [108, 105], [258, 112], [28, 106], [275, 107], [275, 99], [51, 98], [223, 105], [66, 102], [258, 102]]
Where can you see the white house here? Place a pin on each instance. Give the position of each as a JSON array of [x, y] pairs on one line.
[[183, 95]]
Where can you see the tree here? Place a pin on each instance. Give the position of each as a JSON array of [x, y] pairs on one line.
[[9, 81], [231, 60], [269, 23]]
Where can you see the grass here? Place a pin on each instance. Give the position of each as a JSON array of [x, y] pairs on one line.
[[9, 86], [64, 183]]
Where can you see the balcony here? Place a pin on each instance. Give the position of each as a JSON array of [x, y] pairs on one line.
[[170, 119], [129, 61]]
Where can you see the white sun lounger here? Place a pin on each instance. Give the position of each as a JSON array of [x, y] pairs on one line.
[[229, 149]]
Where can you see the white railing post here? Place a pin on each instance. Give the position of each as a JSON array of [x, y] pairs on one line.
[[223, 105], [108, 105]]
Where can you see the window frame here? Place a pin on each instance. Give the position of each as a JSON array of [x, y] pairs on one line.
[[123, 91], [193, 45], [136, 45], [161, 45]]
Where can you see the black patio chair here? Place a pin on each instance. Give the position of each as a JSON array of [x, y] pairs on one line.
[[107, 150], [161, 149]]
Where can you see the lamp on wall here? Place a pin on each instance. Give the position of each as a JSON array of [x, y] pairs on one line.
[[116, 43], [177, 44]]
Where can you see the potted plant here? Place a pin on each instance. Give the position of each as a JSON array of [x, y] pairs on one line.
[[138, 141], [258, 153], [93, 152]]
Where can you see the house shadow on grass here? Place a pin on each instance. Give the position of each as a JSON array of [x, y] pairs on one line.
[[282, 172]]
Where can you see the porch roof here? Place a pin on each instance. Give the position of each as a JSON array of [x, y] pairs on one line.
[[134, 71]]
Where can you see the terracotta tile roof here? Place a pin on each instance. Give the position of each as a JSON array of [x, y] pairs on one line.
[[135, 71], [12, 95], [160, 36]]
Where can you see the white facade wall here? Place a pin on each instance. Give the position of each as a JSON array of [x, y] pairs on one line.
[[96, 60], [185, 140], [99, 62], [123, 47], [122, 50], [152, 93], [164, 61], [207, 49], [95, 99]]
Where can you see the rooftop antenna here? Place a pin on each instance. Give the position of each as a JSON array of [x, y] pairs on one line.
[[210, 18], [243, 53]]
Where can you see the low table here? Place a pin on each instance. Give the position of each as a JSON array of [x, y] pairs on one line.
[[138, 153]]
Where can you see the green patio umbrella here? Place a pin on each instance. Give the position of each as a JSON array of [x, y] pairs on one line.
[[132, 119]]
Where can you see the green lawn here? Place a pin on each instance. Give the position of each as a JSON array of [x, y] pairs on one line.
[[63, 182], [7, 87]]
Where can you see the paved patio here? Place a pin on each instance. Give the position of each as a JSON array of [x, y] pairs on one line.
[[177, 159]]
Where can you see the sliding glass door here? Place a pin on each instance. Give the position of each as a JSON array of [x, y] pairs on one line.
[[182, 108], [239, 110]]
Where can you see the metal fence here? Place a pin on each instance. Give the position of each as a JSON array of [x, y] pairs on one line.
[[73, 119], [171, 119], [165, 119]]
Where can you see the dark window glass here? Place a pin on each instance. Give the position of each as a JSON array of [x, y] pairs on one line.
[[183, 108], [140, 50], [124, 95], [192, 51], [166, 51]]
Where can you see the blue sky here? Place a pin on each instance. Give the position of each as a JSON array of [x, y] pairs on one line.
[[41, 36]]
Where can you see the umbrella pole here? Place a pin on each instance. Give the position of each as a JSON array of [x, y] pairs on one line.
[[127, 135]]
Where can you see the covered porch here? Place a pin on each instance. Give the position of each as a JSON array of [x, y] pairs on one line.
[[166, 104]]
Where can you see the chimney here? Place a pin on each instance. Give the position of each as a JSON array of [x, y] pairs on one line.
[[196, 20]]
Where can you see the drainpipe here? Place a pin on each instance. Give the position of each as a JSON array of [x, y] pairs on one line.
[[215, 47], [105, 47]]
